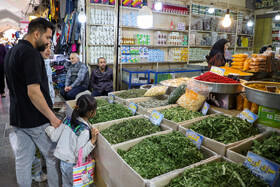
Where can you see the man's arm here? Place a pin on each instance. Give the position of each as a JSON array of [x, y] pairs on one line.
[[38, 100], [111, 75], [81, 76], [92, 81]]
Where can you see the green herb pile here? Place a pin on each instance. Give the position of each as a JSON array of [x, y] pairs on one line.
[[179, 114], [132, 93], [110, 112], [129, 129], [269, 148], [224, 174], [157, 155], [224, 129], [153, 103], [102, 102]]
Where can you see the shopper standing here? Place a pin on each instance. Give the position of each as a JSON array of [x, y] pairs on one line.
[[216, 56], [3, 52], [30, 102], [46, 55], [101, 79]]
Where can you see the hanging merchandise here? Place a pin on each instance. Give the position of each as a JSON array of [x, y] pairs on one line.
[[70, 35]]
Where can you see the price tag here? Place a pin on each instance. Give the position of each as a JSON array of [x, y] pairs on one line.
[[217, 70], [205, 108], [156, 117], [263, 168], [197, 139], [247, 115], [111, 98], [133, 107]]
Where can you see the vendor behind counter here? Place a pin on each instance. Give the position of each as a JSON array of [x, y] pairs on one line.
[[216, 56]]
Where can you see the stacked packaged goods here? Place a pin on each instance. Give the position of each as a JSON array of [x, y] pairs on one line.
[[238, 61]]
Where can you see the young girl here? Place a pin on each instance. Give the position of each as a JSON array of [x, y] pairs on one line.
[[75, 133]]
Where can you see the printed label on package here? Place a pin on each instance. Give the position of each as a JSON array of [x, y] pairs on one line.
[[156, 117], [197, 139], [217, 70], [111, 98], [247, 115], [261, 167], [133, 107], [205, 108]]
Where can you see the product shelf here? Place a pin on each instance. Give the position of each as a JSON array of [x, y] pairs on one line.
[[97, 45], [249, 35], [155, 29], [166, 62], [200, 46], [157, 46], [100, 24]]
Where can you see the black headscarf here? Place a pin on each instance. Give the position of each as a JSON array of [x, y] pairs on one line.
[[264, 48], [218, 47]]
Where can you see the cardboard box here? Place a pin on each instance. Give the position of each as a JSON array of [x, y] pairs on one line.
[[143, 110], [234, 153], [214, 145], [164, 180], [123, 175], [170, 123], [104, 151], [72, 103], [269, 117], [121, 100]]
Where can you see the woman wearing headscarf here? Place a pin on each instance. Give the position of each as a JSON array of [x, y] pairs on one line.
[[216, 56], [265, 48]]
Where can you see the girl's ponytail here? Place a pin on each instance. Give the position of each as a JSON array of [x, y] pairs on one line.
[[74, 116]]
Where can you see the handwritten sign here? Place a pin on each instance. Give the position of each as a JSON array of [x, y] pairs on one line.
[[217, 70], [156, 117], [246, 114], [196, 138], [111, 98], [133, 107], [261, 167], [205, 108]]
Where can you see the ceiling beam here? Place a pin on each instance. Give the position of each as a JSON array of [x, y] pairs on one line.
[[7, 14]]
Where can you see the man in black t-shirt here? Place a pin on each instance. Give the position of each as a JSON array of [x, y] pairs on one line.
[[30, 102]]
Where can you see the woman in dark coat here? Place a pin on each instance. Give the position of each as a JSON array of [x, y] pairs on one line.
[[216, 56]]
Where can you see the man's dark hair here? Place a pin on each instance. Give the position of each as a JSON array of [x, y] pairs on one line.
[[101, 58], [39, 24]]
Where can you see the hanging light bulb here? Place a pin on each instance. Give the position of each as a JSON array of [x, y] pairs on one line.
[[226, 21], [277, 17], [158, 5], [145, 17], [250, 23], [82, 17], [211, 9]]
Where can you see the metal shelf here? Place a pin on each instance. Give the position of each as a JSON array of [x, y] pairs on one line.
[[97, 45], [212, 16], [136, 9], [200, 46], [155, 29], [249, 35], [157, 46], [203, 31], [100, 25], [166, 62]]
